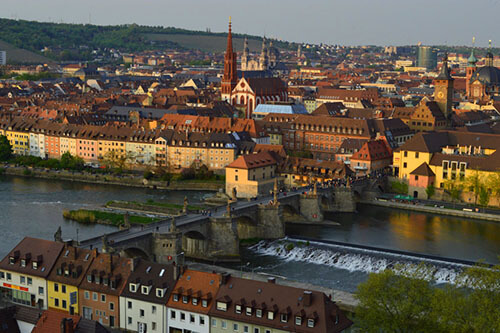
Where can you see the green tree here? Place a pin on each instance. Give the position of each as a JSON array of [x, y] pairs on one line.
[[484, 196], [5, 148], [474, 183], [399, 187], [494, 183], [71, 162], [454, 189], [430, 191], [396, 303]]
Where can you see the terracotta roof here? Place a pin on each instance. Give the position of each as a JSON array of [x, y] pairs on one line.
[[423, 170], [372, 151], [71, 266], [253, 161], [51, 321], [191, 283]]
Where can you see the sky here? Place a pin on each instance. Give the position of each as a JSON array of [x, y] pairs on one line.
[[345, 22]]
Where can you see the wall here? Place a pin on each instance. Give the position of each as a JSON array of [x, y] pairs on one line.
[[159, 316], [61, 296], [186, 324], [33, 288]]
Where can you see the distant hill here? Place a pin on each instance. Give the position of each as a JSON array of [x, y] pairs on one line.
[[19, 56], [76, 41]]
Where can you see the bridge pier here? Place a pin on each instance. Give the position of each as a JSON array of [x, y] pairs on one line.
[[270, 222], [344, 201], [310, 207], [223, 241]]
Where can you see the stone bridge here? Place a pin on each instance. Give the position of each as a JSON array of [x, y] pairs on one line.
[[218, 236]]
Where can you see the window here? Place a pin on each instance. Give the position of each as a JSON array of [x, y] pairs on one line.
[[141, 313], [183, 316], [245, 329], [9, 277], [2, 275], [195, 301], [56, 287], [63, 289], [258, 313], [185, 299], [248, 311], [153, 326], [56, 301], [214, 322], [310, 322], [416, 154], [176, 298], [64, 304], [129, 305], [172, 314], [298, 320], [221, 306], [23, 279], [30, 281], [129, 320], [405, 165], [235, 327], [103, 298], [86, 294], [237, 308], [94, 296], [111, 306], [284, 317], [40, 290], [202, 320], [256, 330], [153, 309], [223, 324], [132, 287], [191, 318], [405, 154], [270, 315]]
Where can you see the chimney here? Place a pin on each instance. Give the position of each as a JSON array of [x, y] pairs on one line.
[[133, 264], [67, 325], [271, 280], [110, 263], [224, 277], [307, 298]]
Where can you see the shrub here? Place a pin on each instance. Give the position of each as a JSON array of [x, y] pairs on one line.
[[148, 175], [289, 247]]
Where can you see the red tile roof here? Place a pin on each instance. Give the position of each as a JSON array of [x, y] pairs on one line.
[[253, 161]]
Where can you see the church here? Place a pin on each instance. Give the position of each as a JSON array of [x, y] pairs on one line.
[[246, 93], [268, 59], [483, 84]]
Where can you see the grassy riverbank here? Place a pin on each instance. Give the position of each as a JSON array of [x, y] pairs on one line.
[[96, 216], [152, 207]]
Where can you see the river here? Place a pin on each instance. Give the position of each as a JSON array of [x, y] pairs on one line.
[[33, 207]]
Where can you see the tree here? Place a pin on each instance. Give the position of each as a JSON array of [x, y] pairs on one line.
[[473, 183], [116, 160], [494, 183], [5, 148], [399, 187], [71, 162], [430, 191], [454, 189], [396, 303], [484, 196]]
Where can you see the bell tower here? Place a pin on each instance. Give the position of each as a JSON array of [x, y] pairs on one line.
[[471, 68], [230, 77], [443, 90]]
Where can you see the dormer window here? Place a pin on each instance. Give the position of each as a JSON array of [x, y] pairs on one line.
[[132, 287], [270, 315], [146, 289], [298, 320], [248, 311], [35, 265], [237, 309], [258, 313], [89, 278], [310, 322], [159, 292], [176, 297], [283, 317], [204, 303], [12, 260], [194, 301], [221, 306], [185, 299], [23, 262]]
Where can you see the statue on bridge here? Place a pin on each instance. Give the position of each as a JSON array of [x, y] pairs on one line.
[[228, 209], [315, 188], [104, 239], [58, 235], [275, 194], [172, 225], [185, 208]]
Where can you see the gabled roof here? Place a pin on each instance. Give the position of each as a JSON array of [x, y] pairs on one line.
[[423, 170], [253, 161]]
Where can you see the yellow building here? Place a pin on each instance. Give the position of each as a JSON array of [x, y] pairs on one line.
[[449, 155], [63, 281], [18, 137], [251, 175]]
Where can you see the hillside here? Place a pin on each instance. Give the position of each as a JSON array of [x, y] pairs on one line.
[[77, 41], [208, 43], [19, 56]]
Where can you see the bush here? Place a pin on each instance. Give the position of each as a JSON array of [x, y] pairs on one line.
[[187, 173], [148, 175], [289, 247], [399, 187]]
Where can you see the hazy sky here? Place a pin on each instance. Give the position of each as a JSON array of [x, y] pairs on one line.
[[347, 22]]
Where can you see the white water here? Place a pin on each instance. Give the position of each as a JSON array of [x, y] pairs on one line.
[[356, 260]]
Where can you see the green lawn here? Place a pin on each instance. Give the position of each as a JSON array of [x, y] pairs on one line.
[[93, 216]]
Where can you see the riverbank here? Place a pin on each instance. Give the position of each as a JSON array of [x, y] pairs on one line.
[[86, 216], [434, 210], [129, 180], [346, 301]]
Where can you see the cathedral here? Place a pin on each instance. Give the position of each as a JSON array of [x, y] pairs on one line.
[[246, 93], [268, 59], [483, 84]]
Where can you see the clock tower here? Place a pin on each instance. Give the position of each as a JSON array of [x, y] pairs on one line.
[[443, 90]]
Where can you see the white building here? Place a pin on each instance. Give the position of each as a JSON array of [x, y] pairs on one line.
[[142, 302]]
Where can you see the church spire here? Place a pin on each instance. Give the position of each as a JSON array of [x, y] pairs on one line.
[[229, 48], [489, 57], [230, 75], [444, 74]]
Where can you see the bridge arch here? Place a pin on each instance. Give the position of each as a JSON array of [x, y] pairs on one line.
[[194, 244], [291, 213], [135, 252], [247, 227]]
